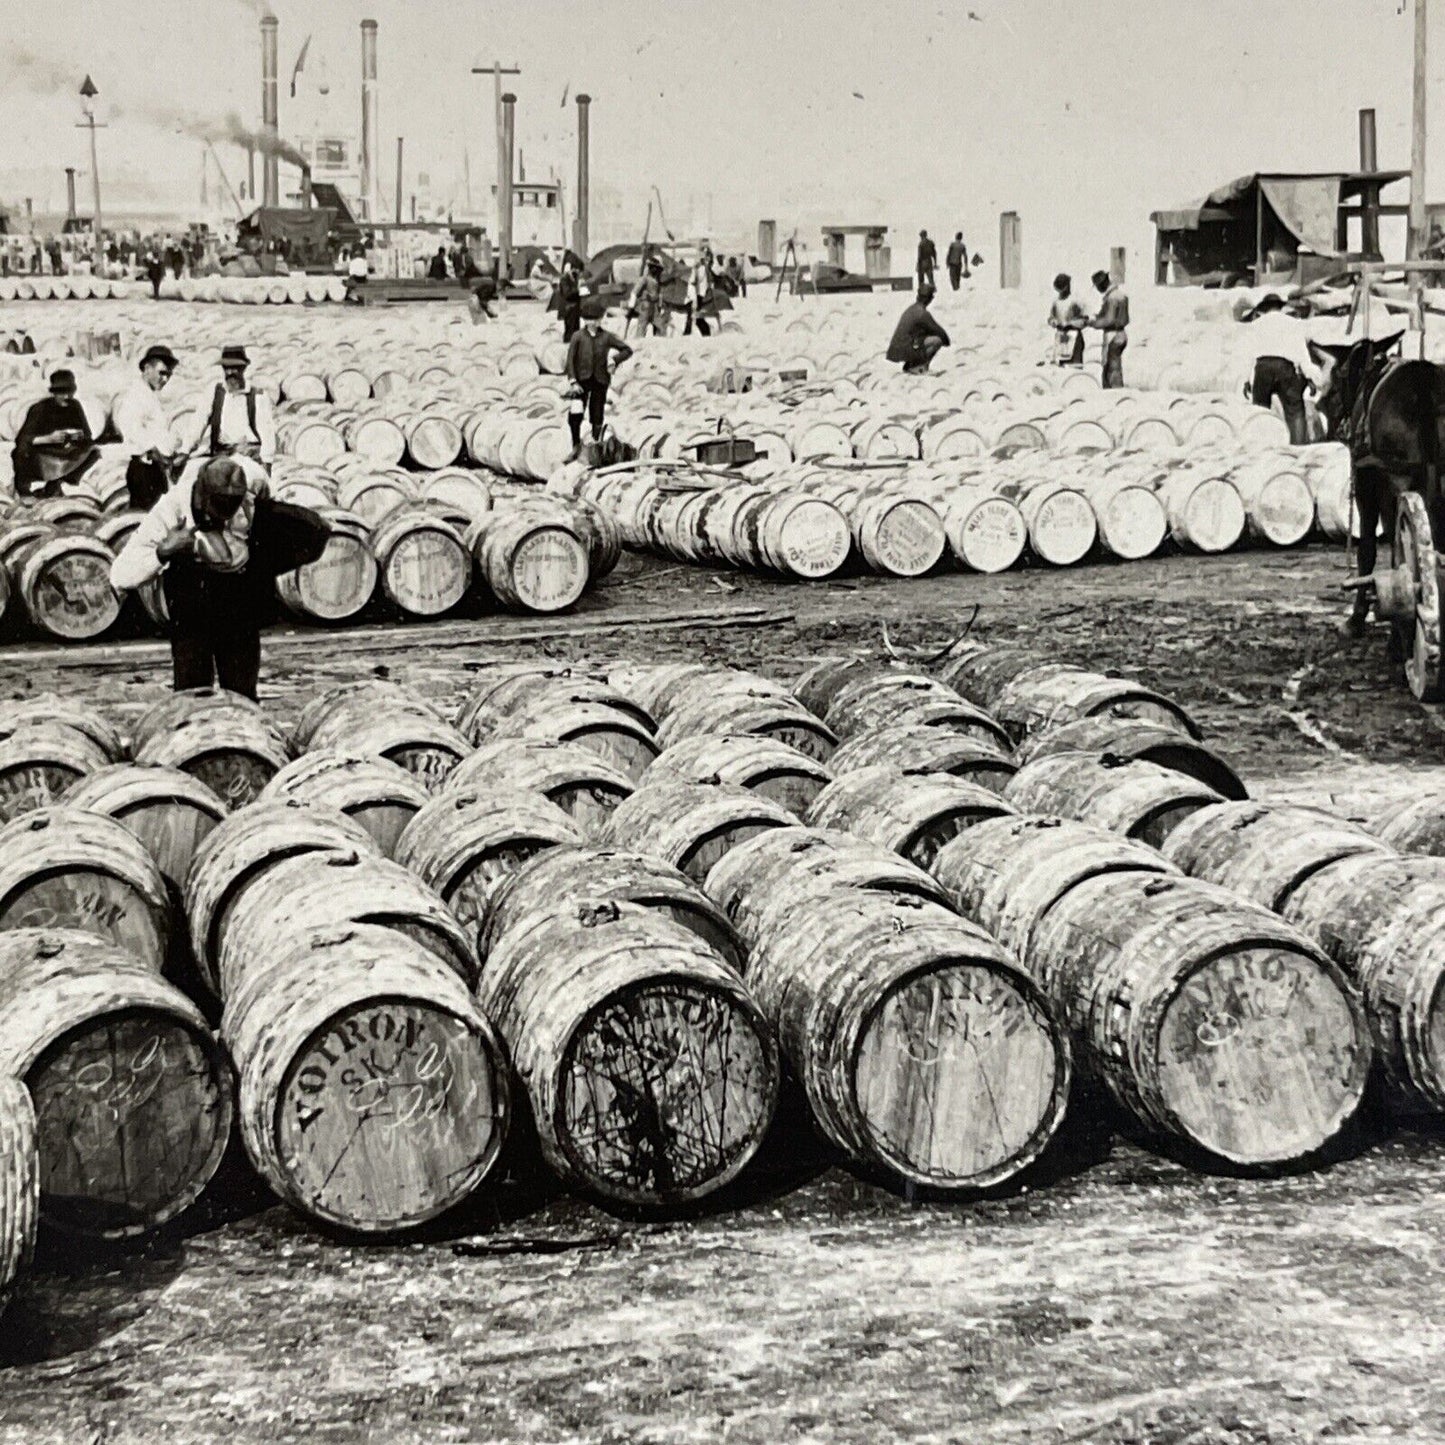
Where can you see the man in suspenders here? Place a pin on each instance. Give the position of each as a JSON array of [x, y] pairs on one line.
[[239, 422]]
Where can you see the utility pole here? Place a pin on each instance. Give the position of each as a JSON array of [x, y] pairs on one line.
[[400, 142], [88, 93], [1418, 235], [496, 70]]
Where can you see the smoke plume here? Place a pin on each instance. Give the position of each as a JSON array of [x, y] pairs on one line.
[[259, 8], [229, 129], [38, 73]]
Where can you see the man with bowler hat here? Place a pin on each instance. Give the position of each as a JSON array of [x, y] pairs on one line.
[[55, 444], [240, 421], [143, 428]]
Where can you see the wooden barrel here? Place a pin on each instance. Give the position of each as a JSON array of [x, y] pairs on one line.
[[373, 496], [1126, 737], [425, 566], [241, 851], [333, 889], [789, 777], [567, 877], [50, 707], [372, 791], [821, 684], [433, 441], [132, 1095], [576, 779], [19, 1183], [1006, 873], [1378, 916], [715, 703], [899, 536], [1061, 523], [986, 533], [353, 702], [615, 735], [921, 747], [923, 1049], [1048, 695], [901, 697], [655, 685], [338, 585], [691, 824], [416, 740], [533, 561], [1208, 1017], [1416, 825], [1206, 514], [374, 1093], [1130, 796], [779, 868], [915, 814], [40, 763], [463, 844], [64, 584], [234, 753], [1264, 851], [164, 715], [169, 811], [652, 1075], [502, 691]]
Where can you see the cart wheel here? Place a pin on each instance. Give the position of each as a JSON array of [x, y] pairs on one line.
[[1413, 548]]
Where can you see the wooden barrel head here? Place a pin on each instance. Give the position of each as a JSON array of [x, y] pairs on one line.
[[49, 708], [40, 763], [989, 536], [65, 584], [1063, 528], [336, 586], [906, 539], [1209, 516], [1258, 1056], [548, 570], [426, 571], [958, 1075], [1132, 522]]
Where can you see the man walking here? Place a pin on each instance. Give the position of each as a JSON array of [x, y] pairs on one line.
[[918, 338], [645, 303], [927, 261], [957, 260], [240, 421], [589, 367], [143, 428], [1113, 321]]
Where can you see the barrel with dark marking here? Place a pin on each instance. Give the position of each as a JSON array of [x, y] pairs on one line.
[[339, 584], [763, 764], [691, 824], [234, 754], [913, 813], [1048, 695], [175, 708], [923, 1048], [579, 780], [463, 844], [822, 682], [241, 851], [64, 584], [921, 747], [1208, 1017], [654, 685], [330, 889], [66, 868], [351, 702], [887, 698], [1415, 826], [1265, 851], [50, 707], [1128, 795], [132, 1096], [373, 791], [423, 561], [533, 560], [40, 763], [778, 868], [723, 702], [563, 877], [652, 1074], [19, 1183], [1128, 737], [416, 740], [374, 1093]]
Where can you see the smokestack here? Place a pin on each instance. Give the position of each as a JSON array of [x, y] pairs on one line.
[[1369, 195], [1369, 156], [70, 193], [400, 146], [270, 163], [504, 201], [584, 175], [369, 168]]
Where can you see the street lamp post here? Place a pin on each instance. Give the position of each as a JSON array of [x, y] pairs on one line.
[[88, 93]]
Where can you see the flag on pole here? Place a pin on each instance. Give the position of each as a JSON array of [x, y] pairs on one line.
[[300, 64]]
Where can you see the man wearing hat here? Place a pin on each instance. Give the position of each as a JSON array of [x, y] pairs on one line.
[[645, 302], [197, 540], [589, 367], [142, 425], [917, 338], [55, 444], [240, 421]]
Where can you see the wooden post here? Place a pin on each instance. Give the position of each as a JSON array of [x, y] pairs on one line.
[[768, 242], [1116, 264], [1161, 266], [1258, 234], [1418, 238], [1010, 250], [399, 144]]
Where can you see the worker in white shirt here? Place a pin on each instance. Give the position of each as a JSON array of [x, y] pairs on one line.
[[197, 539], [240, 422], [143, 427]]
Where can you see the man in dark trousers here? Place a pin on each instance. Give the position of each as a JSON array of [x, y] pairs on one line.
[[54, 444], [589, 367], [438, 270], [927, 260], [569, 298], [1277, 376], [197, 539], [917, 338], [141, 421], [1113, 321], [240, 419], [957, 260]]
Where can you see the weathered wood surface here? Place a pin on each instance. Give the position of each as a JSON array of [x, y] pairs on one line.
[[165, 714], [653, 685], [413, 738], [40, 762], [651, 1072], [1264, 851], [614, 734], [789, 777], [341, 582], [565, 877], [1133, 797], [373, 791], [913, 813], [577, 779], [64, 584], [1207, 1016], [351, 703], [19, 1183], [531, 562], [1415, 826], [233, 752], [502, 691], [50, 707], [424, 563], [132, 1096], [239, 853], [719, 702], [924, 748], [888, 698], [922, 1047], [374, 1093]]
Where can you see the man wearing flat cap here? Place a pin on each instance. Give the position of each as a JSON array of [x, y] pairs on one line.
[[55, 444], [142, 424], [239, 422], [197, 540]]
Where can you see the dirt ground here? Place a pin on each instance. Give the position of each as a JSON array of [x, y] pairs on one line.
[[1118, 1297]]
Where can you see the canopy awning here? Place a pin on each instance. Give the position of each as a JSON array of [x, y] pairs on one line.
[[1307, 206]]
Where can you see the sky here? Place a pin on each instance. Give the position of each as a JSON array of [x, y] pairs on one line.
[[1082, 115]]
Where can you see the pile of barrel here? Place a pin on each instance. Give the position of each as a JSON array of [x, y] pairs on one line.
[[236, 290], [638, 905]]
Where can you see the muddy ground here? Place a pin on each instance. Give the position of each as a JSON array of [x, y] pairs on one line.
[[1119, 1297]]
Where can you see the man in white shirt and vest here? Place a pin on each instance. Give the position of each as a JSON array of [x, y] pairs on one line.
[[240, 422], [141, 422]]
